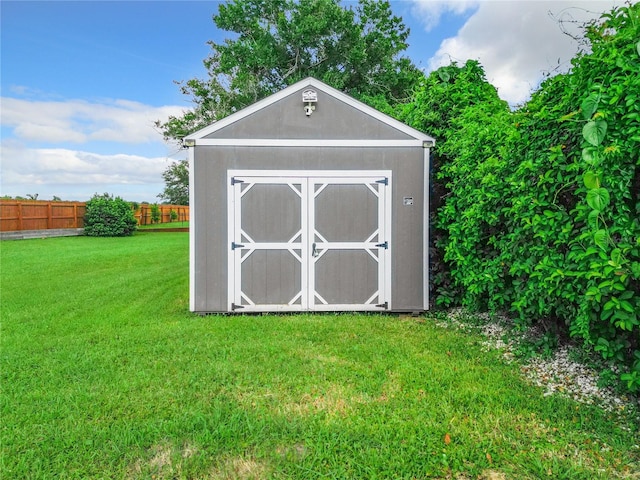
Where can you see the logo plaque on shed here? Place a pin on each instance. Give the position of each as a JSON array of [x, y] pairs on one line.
[[309, 97]]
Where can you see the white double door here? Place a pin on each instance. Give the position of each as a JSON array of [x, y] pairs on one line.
[[309, 240]]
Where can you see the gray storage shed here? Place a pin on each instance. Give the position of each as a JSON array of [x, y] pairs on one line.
[[309, 200]]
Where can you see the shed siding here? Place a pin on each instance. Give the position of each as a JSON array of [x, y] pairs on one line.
[[332, 119], [210, 222]]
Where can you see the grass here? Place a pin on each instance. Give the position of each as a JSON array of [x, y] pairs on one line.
[[175, 224], [105, 374]]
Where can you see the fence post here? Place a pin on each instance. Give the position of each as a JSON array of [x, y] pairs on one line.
[[19, 204]]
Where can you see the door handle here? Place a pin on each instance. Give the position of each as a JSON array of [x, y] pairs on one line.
[[314, 250]]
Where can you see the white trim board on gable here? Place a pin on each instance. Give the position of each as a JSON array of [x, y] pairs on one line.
[[199, 136], [286, 142]]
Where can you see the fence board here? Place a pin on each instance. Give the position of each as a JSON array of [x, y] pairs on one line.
[[16, 215]]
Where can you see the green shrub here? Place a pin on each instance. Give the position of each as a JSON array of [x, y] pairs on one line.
[[107, 216], [155, 213]]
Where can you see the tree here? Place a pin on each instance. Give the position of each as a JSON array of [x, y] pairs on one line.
[[279, 42], [176, 179]]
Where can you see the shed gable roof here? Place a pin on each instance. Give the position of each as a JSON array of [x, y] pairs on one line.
[[339, 119]]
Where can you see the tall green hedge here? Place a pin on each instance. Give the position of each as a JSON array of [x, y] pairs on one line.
[[442, 97], [540, 209]]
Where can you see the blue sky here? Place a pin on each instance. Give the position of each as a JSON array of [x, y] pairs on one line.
[[82, 82]]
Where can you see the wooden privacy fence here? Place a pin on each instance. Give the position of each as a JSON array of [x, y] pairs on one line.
[[18, 215], [40, 215], [144, 216]]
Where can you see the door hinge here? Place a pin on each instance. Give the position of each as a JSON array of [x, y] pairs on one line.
[[235, 180], [235, 245], [236, 307], [384, 181], [384, 245], [384, 305]]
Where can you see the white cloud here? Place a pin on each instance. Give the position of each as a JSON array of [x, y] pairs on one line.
[[79, 121], [430, 12], [518, 41], [69, 173], [39, 153]]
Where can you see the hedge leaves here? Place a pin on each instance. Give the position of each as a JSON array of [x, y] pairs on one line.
[[538, 209], [598, 199], [595, 131]]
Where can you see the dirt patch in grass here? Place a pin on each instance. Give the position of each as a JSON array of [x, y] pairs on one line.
[[161, 458], [158, 462], [294, 452], [333, 401], [162, 461], [390, 389], [493, 475], [241, 468], [328, 359], [485, 475]]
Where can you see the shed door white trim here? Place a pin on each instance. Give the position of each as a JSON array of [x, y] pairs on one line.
[[309, 240]]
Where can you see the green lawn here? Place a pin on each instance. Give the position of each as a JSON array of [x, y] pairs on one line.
[[105, 374], [164, 225]]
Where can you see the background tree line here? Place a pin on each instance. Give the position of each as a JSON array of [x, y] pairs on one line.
[[535, 211]]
